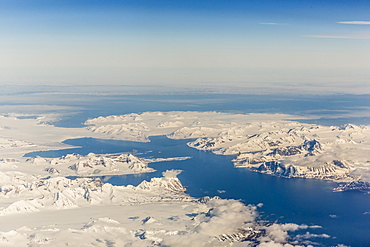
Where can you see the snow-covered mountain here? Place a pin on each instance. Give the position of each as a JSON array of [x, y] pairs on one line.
[[6, 143], [64, 193], [330, 153], [40, 205], [158, 224], [266, 143], [354, 185], [91, 164]]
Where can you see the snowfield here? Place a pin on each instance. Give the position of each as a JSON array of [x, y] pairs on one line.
[[266, 143], [40, 205], [87, 212]]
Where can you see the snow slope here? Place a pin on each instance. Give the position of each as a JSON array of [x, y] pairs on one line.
[[40, 206], [170, 217], [266, 143], [64, 193], [91, 164]]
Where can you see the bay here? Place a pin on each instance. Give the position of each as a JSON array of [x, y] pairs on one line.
[[342, 215]]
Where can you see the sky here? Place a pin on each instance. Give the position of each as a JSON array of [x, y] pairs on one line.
[[193, 42]]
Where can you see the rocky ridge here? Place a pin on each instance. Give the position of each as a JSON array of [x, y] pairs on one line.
[[64, 193], [91, 164], [263, 143]]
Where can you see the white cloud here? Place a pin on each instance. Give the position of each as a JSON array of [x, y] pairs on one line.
[[279, 233], [355, 22], [171, 173], [308, 235], [225, 217], [192, 239], [315, 227], [335, 36], [273, 244], [270, 23]]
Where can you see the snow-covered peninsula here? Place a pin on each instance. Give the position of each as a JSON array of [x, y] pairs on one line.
[[266, 143], [85, 211], [45, 206]]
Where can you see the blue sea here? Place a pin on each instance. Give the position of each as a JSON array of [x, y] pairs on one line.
[[342, 215]]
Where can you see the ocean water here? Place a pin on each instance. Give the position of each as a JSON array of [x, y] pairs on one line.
[[323, 109], [303, 201]]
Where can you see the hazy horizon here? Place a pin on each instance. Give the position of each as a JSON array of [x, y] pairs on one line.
[[295, 45]]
